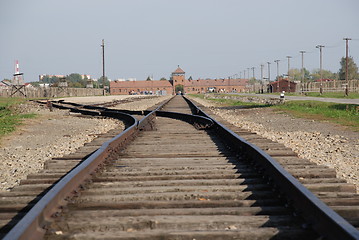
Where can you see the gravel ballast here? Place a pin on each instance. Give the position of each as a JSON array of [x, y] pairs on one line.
[[320, 142], [55, 134]]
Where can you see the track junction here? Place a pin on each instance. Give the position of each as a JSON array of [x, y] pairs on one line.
[[177, 173]]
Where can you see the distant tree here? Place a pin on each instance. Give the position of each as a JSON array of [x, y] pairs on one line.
[[76, 85], [352, 69], [50, 80], [296, 74], [148, 78], [75, 80], [100, 82], [163, 79], [326, 74]]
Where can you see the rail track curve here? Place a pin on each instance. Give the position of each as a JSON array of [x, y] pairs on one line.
[[177, 173]]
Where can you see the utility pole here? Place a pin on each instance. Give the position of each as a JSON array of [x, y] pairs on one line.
[[302, 82], [269, 70], [346, 65], [254, 83], [289, 57], [240, 74], [321, 67], [277, 61], [248, 73], [270, 88], [244, 74], [262, 66], [103, 65]]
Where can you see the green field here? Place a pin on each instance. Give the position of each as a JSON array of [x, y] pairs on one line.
[[343, 114], [9, 118], [324, 95]]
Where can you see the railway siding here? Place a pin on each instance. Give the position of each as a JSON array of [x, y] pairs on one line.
[[179, 182], [319, 179]]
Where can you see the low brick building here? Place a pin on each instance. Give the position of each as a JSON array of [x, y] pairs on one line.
[[282, 85], [161, 87], [178, 83]]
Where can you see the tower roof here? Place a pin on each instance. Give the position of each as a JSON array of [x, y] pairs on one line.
[[179, 70]]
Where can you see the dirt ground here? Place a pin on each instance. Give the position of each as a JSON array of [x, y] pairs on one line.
[[324, 143], [55, 134], [50, 134]]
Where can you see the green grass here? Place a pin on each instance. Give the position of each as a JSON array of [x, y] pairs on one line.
[[343, 114], [9, 119], [352, 95]]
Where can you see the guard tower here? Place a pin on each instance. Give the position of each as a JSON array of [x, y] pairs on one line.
[[89, 83], [17, 84], [178, 80], [62, 85]]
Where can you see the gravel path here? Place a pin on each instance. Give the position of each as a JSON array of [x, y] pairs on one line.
[[54, 134], [321, 142]]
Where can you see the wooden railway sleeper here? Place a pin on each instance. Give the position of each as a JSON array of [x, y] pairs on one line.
[[343, 231]]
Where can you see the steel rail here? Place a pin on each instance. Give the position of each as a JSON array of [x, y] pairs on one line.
[[32, 225], [321, 218], [199, 122]]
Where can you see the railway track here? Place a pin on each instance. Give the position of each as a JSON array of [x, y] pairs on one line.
[[187, 177]]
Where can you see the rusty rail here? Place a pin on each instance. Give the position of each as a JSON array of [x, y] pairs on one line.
[[322, 218], [32, 225]]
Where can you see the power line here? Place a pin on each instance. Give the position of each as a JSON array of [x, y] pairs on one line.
[[338, 44]]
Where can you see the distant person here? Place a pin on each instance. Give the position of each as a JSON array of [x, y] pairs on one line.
[[282, 94]]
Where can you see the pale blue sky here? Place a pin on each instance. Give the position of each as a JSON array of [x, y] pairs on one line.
[[207, 38]]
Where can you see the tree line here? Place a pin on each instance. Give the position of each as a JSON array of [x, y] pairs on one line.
[[296, 74], [73, 80]]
